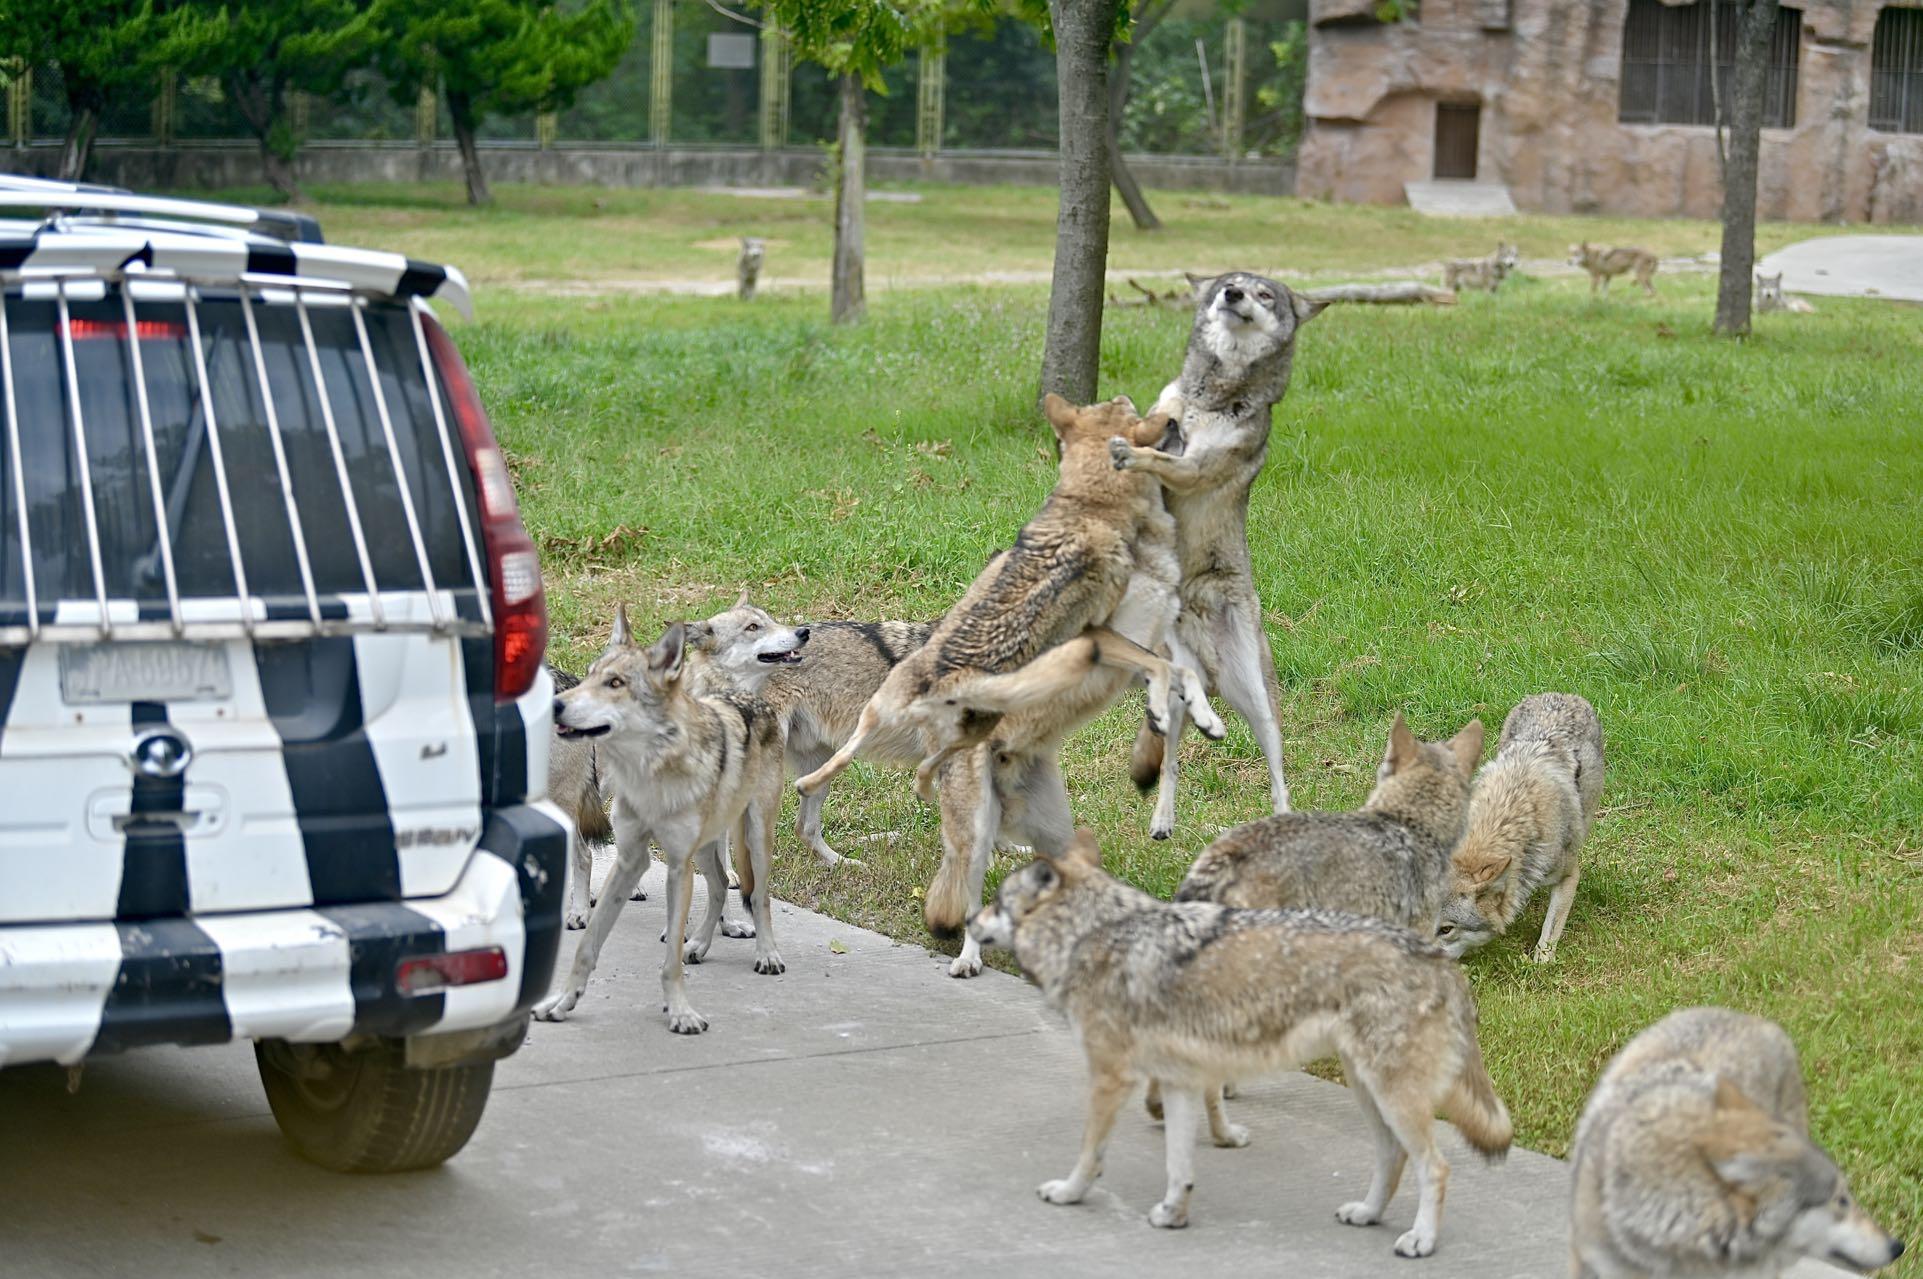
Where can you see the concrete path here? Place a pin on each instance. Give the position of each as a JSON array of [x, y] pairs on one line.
[[1852, 266], [863, 1114]]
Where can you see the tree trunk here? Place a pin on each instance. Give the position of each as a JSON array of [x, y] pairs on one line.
[[1739, 175], [1131, 191], [78, 147], [262, 104], [1071, 356], [847, 300], [460, 108]]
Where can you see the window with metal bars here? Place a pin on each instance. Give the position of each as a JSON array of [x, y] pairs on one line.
[[1667, 62], [1896, 71]]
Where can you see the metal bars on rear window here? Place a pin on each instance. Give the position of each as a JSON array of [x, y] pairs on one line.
[[191, 612]]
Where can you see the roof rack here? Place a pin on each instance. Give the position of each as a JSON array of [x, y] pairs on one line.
[[18, 192]]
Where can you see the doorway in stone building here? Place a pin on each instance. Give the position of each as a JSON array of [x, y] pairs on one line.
[[1458, 129]]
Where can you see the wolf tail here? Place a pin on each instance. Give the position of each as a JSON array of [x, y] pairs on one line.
[[1473, 1107], [1145, 761], [744, 870], [591, 813], [945, 909]]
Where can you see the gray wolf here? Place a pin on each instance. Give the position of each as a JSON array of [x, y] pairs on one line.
[[1693, 1159], [738, 648], [1389, 860], [686, 768], [1240, 353], [1481, 273], [748, 266], [1605, 264], [1529, 812], [1065, 578], [1770, 296], [1194, 992]]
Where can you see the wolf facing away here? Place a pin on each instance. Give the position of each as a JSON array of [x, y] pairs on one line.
[[1194, 992], [1240, 353], [1693, 1159], [1530, 811], [686, 769], [1481, 273], [1605, 264]]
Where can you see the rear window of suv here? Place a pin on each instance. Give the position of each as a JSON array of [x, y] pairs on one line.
[[191, 429]]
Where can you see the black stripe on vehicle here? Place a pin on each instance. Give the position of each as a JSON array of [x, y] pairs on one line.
[[379, 936], [536, 847], [168, 989], [153, 860], [500, 734], [313, 695], [14, 253], [420, 278], [272, 259], [11, 660]]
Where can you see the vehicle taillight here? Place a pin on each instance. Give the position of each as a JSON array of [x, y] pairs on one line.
[[425, 974], [81, 330], [520, 605]]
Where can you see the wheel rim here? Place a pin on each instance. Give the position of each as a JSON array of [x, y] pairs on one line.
[[326, 1092]]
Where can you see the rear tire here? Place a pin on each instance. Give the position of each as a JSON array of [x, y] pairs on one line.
[[367, 1111]]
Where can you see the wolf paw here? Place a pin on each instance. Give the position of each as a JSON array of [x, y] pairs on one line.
[[1416, 1243], [1357, 1214], [638, 895], [1545, 955], [1208, 721], [1157, 830], [576, 919], [1164, 1217], [695, 952], [1062, 1191], [687, 1022], [736, 928], [770, 963], [1232, 1137], [557, 1008], [1121, 452], [965, 966]]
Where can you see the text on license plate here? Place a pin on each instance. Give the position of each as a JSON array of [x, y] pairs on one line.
[[144, 672]]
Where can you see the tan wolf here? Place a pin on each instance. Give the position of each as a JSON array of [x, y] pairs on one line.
[[1693, 1160], [1194, 992], [1604, 264], [686, 769], [1770, 296], [1481, 273], [1058, 588], [1240, 354], [1530, 810]]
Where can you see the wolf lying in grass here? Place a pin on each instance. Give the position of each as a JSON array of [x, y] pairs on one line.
[[1194, 992]]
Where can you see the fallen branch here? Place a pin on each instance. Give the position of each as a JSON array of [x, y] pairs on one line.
[[1405, 293]]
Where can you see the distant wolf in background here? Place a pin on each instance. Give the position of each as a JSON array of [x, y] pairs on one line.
[[1770, 296], [1388, 860], [1194, 992], [748, 266], [1693, 1159], [1240, 353], [1605, 264], [687, 769], [1530, 810], [1481, 273]]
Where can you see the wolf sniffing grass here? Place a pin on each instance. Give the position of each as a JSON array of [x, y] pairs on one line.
[[1481, 273], [1191, 993], [1529, 812], [1693, 1160]]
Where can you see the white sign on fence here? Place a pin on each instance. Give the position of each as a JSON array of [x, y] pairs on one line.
[[731, 52]]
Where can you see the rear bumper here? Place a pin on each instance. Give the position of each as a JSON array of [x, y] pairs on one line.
[[68, 991]]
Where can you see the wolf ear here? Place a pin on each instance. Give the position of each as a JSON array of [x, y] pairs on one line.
[[1483, 870], [1305, 309], [1467, 746], [1402, 745], [1060, 413], [1199, 285], [1082, 851], [743, 601], [664, 659], [621, 636]]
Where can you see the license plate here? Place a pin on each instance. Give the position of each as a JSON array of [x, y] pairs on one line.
[[144, 672]]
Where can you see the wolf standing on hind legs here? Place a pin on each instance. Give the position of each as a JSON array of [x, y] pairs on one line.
[[1239, 357]]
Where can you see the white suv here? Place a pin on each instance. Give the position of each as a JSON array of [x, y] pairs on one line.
[[273, 715]]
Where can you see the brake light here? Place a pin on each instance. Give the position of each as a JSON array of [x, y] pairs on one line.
[[425, 974], [520, 604], [146, 330]]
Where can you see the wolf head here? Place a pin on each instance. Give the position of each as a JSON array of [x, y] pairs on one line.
[[1769, 290], [1082, 434], [1579, 254], [1243, 342], [1033, 888], [1801, 1202], [626, 691], [1507, 256], [744, 644], [1426, 784], [1484, 870], [752, 249]]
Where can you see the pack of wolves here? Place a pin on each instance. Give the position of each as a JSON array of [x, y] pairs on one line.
[[1296, 936]]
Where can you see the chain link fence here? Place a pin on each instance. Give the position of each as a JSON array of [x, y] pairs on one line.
[[1205, 81]]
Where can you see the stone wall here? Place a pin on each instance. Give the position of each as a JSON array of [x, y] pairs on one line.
[[209, 166], [1548, 76]]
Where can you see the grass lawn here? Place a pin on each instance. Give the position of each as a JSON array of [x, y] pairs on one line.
[[1717, 543]]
